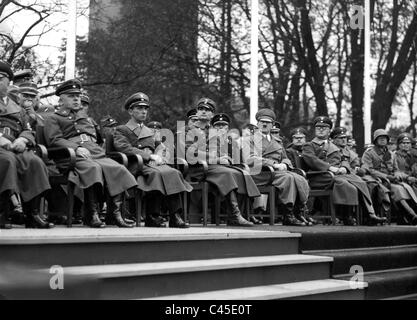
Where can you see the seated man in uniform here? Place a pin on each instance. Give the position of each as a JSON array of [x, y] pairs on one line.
[[228, 181], [69, 127], [21, 171], [339, 138], [293, 189], [192, 118], [295, 148], [322, 155], [381, 164], [160, 181], [228, 149]]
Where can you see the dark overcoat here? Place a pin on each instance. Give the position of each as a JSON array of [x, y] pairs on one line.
[[381, 163], [320, 155], [23, 173], [226, 178], [133, 138], [71, 129], [290, 185]]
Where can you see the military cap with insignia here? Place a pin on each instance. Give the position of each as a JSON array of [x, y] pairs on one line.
[[25, 75], [29, 88], [266, 115], [84, 97], [404, 137], [137, 99], [192, 113], [208, 103], [298, 131], [220, 118], [276, 127], [107, 122], [69, 86], [251, 127], [339, 132], [323, 121], [154, 125], [6, 70]]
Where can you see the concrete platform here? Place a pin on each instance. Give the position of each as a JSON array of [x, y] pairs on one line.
[[110, 234]]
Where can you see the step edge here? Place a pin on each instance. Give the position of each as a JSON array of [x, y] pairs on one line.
[[198, 265], [116, 239], [359, 249], [375, 272], [342, 286]]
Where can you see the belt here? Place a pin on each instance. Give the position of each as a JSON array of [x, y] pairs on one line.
[[82, 138]]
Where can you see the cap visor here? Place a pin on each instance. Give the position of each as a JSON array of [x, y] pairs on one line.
[[266, 120]]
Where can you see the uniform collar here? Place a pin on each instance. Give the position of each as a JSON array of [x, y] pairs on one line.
[[380, 150], [140, 130], [319, 141]]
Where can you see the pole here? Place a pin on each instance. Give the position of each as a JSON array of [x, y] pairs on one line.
[[367, 74], [254, 61], [71, 40]]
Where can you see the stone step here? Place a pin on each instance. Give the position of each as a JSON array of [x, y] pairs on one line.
[[371, 259], [140, 280], [316, 289], [86, 246], [389, 283]]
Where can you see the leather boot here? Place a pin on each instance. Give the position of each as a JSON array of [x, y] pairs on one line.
[[175, 221], [373, 219], [290, 219], [114, 212], [91, 218], [17, 216], [235, 217], [33, 217], [3, 209], [410, 215]]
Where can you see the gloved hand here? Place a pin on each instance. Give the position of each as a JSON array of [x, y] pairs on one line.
[[411, 180], [360, 172], [5, 143], [19, 145]]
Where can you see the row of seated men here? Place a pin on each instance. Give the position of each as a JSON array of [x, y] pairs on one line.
[[24, 175]]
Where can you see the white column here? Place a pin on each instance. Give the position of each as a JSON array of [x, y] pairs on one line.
[[71, 40], [254, 61], [367, 74]]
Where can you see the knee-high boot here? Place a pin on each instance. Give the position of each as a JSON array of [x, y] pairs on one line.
[[234, 216], [91, 218], [33, 218], [175, 212], [114, 212], [3, 209]]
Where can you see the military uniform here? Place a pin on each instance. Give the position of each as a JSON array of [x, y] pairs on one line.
[[294, 152], [292, 187], [21, 173], [72, 129], [202, 143], [136, 138], [381, 163], [320, 155]]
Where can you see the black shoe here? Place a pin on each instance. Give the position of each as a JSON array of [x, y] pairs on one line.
[[304, 220], [254, 220], [154, 222], [350, 222], [290, 220], [94, 221], [373, 219], [36, 222], [175, 221]]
